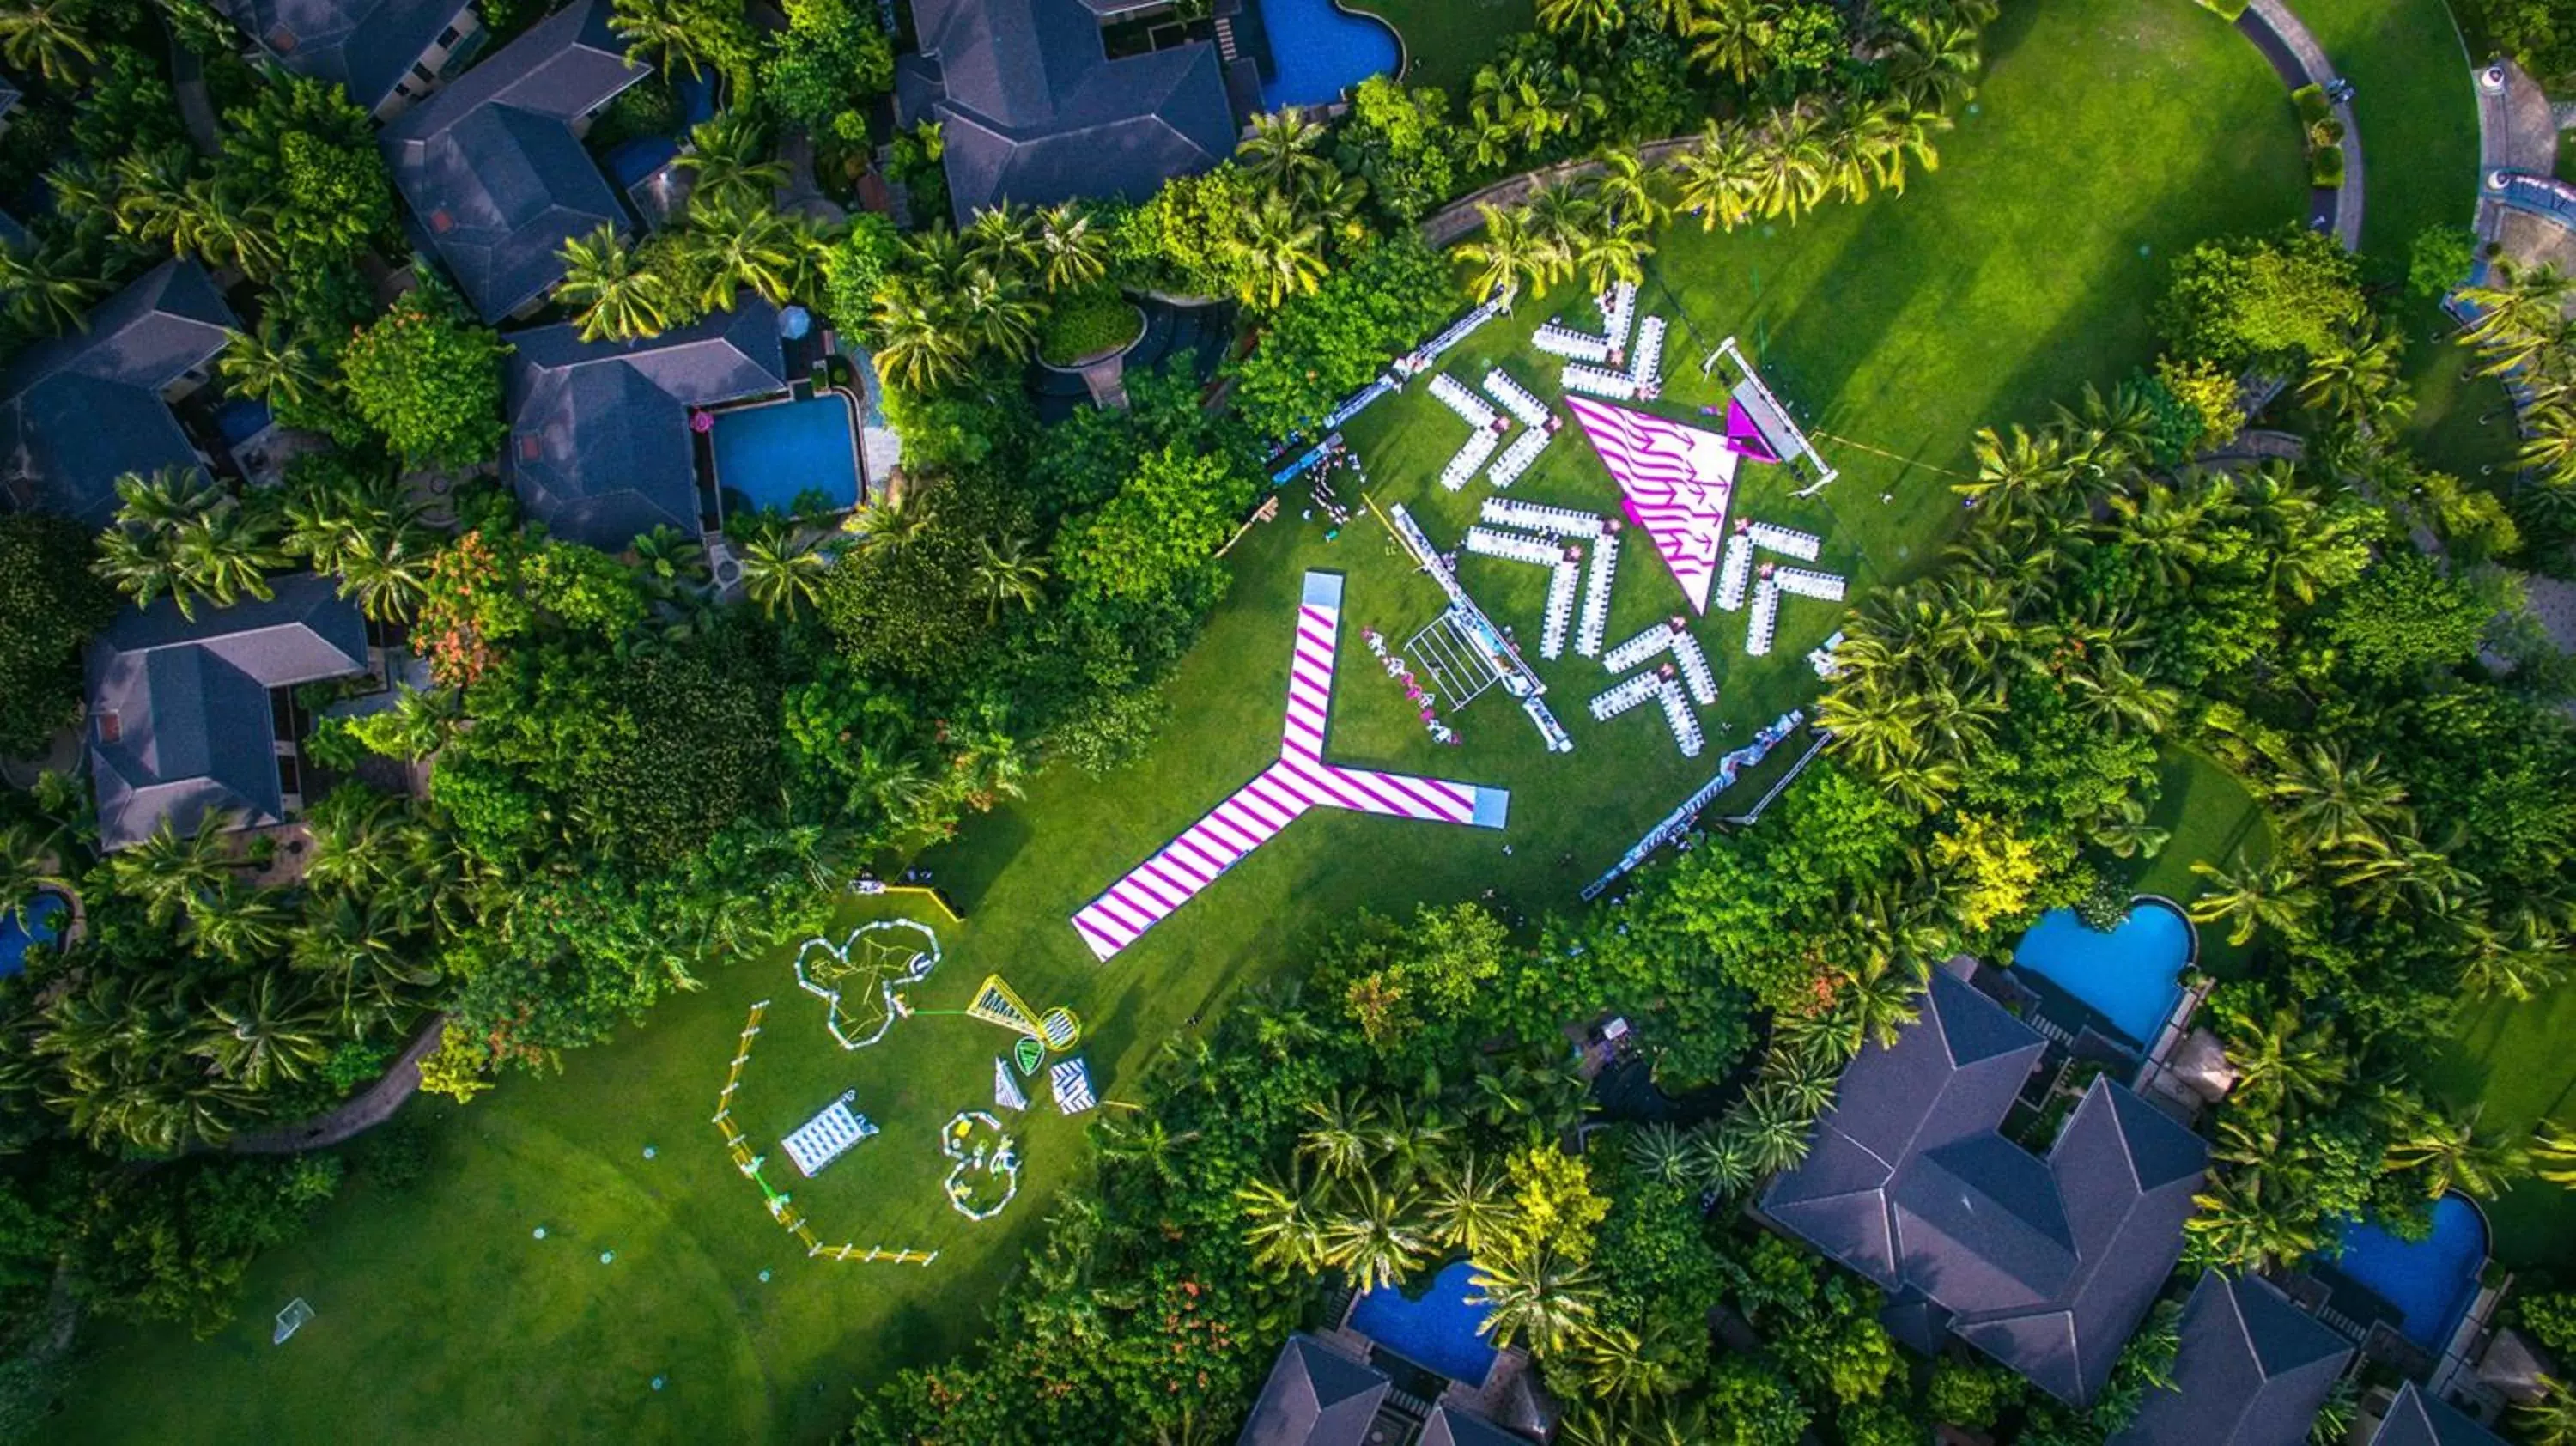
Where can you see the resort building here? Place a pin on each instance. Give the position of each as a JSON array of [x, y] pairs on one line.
[[385, 53], [601, 440], [1043, 101], [193, 716], [10, 95], [80, 410], [493, 167], [1320, 1394], [2046, 1262], [2253, 1371], [2417, 1419]]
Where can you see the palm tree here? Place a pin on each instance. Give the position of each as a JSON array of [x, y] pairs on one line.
[[220, 225], [2014, 473], [2454, 1155], [754, 248], [1619, 1363], [1612, 251], [237, 924], [1149, 1143], [1286, 1224], [271, 365], [47, 37], [2284, 1064], [1071, 253], [1772, 1126], [617, 296], [671, 30], [1378, 1239], [168, 873], [1282, 151], [2553, 1154], [1506, 254], [1534, 1297], [2516, 311], [1795, 161], [2551, 1420], [1590, 19], [1720, 1161], [1003, 314], [1733, 36], [782, 569], [730, 165], [2332, 800], [1935, 66], [2240, 1225], [1343, 1140], [48, 288], [2354, 378], [1006, 573], [1002, 239], [1877, 1000], [1628, 188], [1282, 253], [2254, 896], [916, 346], [227, 554], [1467, 1208], [1720, 179], [273, 1031], [152, 203]]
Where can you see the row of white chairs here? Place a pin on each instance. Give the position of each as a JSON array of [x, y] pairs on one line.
[[1734, 571], [1695, 669], [1596, 594], [1540, 518], [1573, 345], [1517, 457], [1512, 546], [1807, 582], [1679, 717], [1648, 362], [1786, 541], [1625, 694], [1600, 382], [1470, 407], [1518, 400], [1634, 652], [1618, 313], [1766, 618], [1561, 584], [1481, 445]]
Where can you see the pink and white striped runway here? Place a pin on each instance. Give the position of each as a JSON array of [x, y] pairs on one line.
[[1300, 780]]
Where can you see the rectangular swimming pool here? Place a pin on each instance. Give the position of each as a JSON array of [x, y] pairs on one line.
[[769, 456], [1438, 1331]]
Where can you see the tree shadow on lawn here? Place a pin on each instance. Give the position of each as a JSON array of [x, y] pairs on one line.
[[965, 872]]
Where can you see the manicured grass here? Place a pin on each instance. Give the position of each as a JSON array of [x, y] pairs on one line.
[[2212, 819], [1446, 41], [2514, 1059], [2111, 134]]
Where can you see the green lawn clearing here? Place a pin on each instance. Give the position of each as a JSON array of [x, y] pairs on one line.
[[2514, 1060], [1446, 41], [2212, 820], [2111, 134]]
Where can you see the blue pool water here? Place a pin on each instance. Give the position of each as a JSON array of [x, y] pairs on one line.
[[772, 455], [2430, 1281], [1436, 1332], [45, 913], [2131, 974], [1318, 50]]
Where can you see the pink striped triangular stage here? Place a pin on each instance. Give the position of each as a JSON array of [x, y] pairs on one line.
[[1676, 482]]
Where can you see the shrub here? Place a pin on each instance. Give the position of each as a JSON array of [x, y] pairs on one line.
[[2325, 167], [1088, 322], [2439, 259], [430, 381], [2312, 103], [49, 604]]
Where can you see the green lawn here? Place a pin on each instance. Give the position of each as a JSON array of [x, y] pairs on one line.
[[2212, 819], [1445, 41], [2514, 1059], [2111, 134]]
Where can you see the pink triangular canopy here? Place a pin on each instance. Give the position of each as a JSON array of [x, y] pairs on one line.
[[1743, 438], [1675, 482]]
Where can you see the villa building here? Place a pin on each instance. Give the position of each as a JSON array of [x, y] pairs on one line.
[[601, 444], [493, 168], [2046, 1262], [1318, 1395], [1043, 101], [80, 410], [192, 716], [2253, 1370], [2417, 1419], [386, 53]]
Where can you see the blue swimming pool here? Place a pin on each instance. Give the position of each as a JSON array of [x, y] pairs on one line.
[[2131, 974], [1318, 50], [45, 913], [770, 456], [2430, 1281], [1437, 1331]]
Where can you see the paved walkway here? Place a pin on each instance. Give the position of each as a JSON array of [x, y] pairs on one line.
[[2517, 135], [2284, 40], [360, 1114], [188, 87]]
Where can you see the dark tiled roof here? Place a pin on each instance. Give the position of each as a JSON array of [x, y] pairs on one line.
[[1315, 1396], [496, 180], [187, 704], [2416, 1419], [2046, 1265], [1447, 1427], [599, 445], [80, 410], [363, 45], [1034, 111], [2252, 1371], [9, 94]]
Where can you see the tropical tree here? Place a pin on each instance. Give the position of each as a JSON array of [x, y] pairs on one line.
[[1283, 151], [1342, 1141], [2553, 1154], [2551, 1420], [1720, 179], [1507, 254], [729, 163], [270, 1032], [2243, 1224], [1071, 252], [740, 248], [2454, 1154], [48, 288], [614, 294], [170, 873], [2283, 1063], [1733, 36], [1284, 1223], [1377, 1239], [238, 925], [1281, 251], [782, 570], [1534, 1297], [1006, 572], [2249, 896], [49, 37], [1590, 19], [1467, 1207], [1630, 189], [271, 365]]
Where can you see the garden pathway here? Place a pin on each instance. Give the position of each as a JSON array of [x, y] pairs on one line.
[[2517, 132], [188, 87], [2284, 40], [364, 1112]]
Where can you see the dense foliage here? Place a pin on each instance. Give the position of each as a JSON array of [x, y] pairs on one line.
[[50, 603]]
